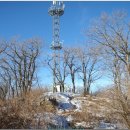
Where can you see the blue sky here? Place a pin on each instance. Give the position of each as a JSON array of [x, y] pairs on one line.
[[30, 19]]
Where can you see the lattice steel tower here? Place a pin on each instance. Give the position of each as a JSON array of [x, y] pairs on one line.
[[56, 10]]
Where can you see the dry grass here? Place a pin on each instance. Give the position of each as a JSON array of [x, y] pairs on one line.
[[94, 109], [19, 111], [118, 106], [13, 120]]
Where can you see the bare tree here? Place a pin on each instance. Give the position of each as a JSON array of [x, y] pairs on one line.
[[88, 68], [3, 91], [19, 65], [3, 86], [113, 31], [59, 69], [72, 63]]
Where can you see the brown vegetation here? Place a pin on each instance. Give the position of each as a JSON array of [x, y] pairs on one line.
[[19, 112]]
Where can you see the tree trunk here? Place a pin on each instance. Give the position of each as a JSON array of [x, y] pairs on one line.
[[88, 90], [62, 87], [85, 90], [73, 82]]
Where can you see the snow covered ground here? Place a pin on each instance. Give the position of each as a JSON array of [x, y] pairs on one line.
[[68, 105]]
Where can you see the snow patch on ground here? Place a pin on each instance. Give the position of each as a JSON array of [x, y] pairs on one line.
[[52, 120], [63, 100], [69, 103], [77, 104], [69, 118], [103, 125]]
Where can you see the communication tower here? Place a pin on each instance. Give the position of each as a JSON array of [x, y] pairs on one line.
[[56, 10]]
